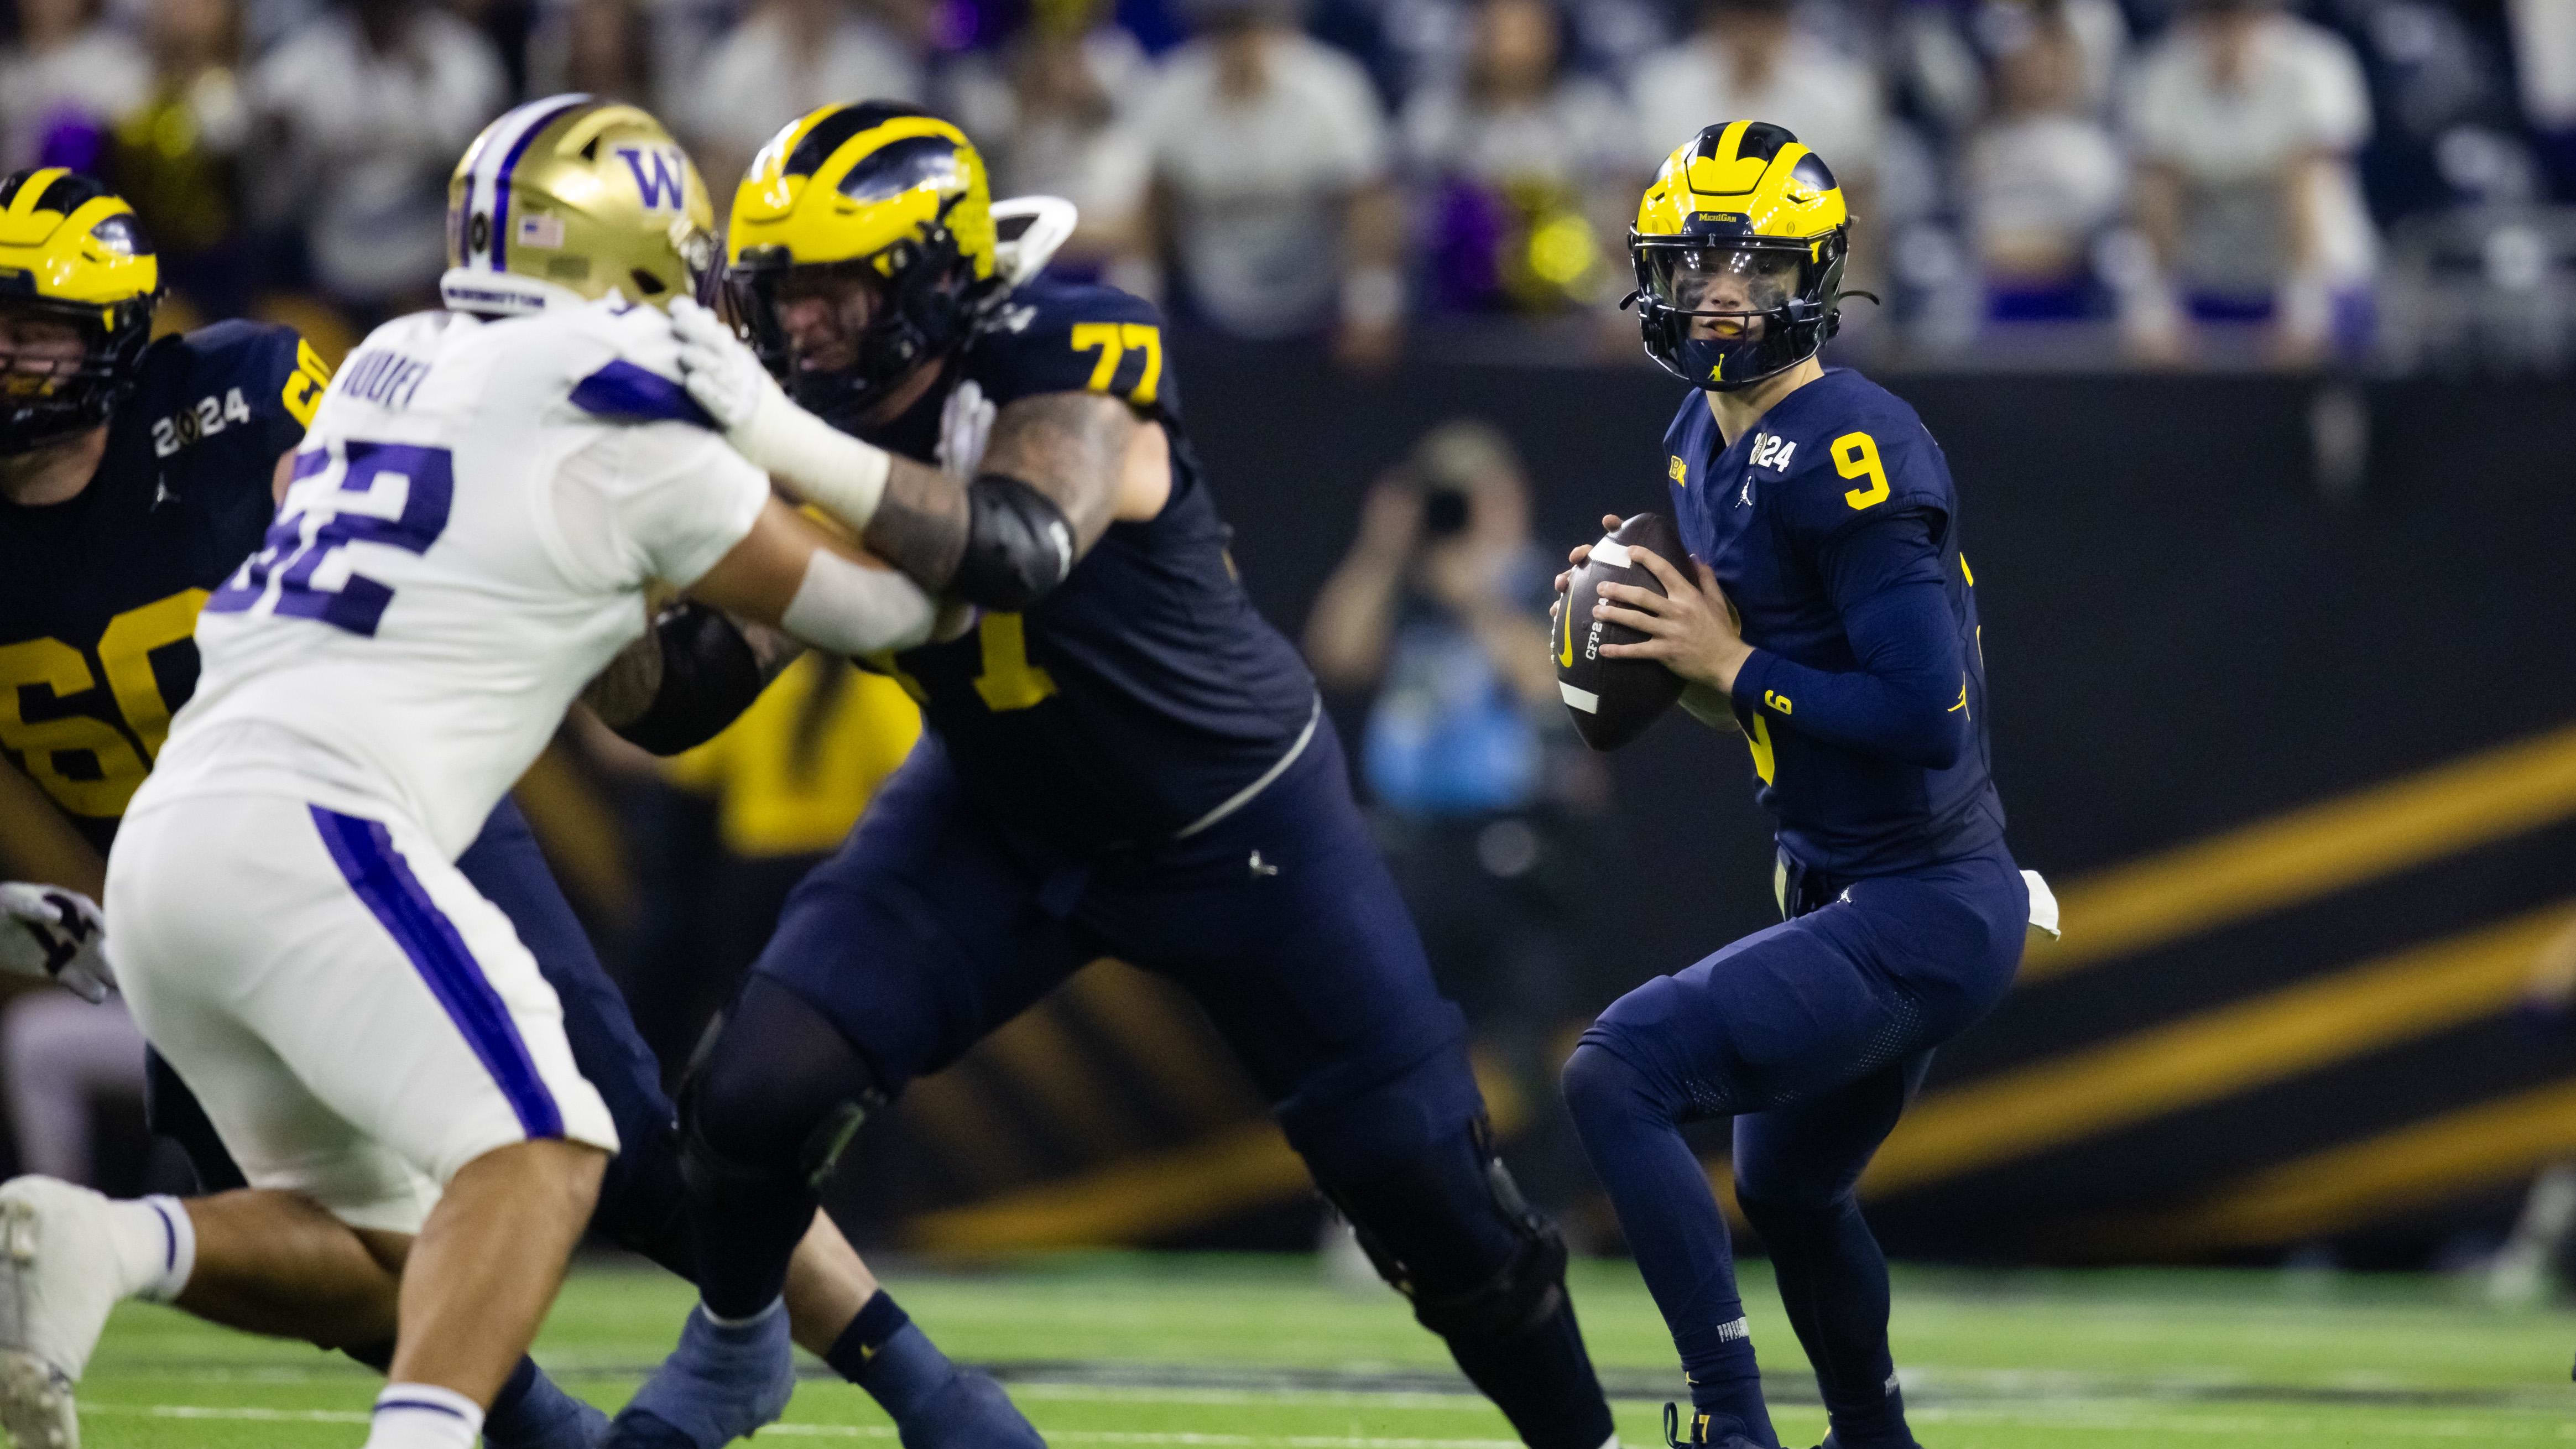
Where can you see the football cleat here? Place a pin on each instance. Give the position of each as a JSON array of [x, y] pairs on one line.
[[718, 1386], [1699, 1431], [58, 1278], [970, 1411]]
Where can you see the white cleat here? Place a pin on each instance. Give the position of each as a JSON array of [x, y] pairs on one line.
[[58, 1275]]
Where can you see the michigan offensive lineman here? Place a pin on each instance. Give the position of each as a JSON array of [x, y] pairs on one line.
[[1122, 758], [466, 539], [1815, 504]]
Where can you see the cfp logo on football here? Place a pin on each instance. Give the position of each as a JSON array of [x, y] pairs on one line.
[[660, 173]]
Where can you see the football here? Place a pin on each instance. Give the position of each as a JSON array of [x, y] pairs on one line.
[[1613, 700]]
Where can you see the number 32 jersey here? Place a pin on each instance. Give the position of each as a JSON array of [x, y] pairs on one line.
[[99, 594], [473, 522]]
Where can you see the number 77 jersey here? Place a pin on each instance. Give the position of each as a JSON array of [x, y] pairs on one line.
[[466, 541]]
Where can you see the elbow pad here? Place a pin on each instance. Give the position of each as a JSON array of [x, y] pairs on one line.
[[709, 677], [1019, 545]]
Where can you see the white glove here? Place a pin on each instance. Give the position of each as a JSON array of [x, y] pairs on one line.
[[49, 932], [820, 465], [722, 372], [965, 423]]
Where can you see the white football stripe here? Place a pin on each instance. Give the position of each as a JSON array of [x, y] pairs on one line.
[[1613, 554], [1582, 699]]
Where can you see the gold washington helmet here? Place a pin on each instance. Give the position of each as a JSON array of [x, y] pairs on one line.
[[1739, 248], [568, 199], [72, 252], [884, 194]]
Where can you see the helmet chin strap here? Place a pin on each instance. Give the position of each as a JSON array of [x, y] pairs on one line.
[[503, 294]]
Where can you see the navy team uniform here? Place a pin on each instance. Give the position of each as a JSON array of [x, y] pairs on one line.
[[1833, 528], [1138, 767], [99, 598]]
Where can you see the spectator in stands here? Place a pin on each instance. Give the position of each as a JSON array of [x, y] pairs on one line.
[[2243, 121], [1071, 73], [786, 58], [177, 156], [364, 112], [2544, 45], [599, 47], [1468, 761], [1749, 62], [67, 79], [1270, 166], [1529, 173], [2043, 176]]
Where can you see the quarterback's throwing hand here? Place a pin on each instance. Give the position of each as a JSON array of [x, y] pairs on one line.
[[1691, 627], [49, 932]]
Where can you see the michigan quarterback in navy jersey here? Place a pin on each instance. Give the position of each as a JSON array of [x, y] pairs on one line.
[[1122, 758], [135, 475], [1826, 612]]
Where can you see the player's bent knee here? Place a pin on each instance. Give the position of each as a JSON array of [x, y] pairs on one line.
[[778, 1100], [1601, 1088]]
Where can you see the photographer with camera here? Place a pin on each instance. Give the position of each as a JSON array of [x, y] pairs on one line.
[[1476, 787]]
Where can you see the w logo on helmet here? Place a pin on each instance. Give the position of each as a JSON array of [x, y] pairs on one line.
[[658, 172]]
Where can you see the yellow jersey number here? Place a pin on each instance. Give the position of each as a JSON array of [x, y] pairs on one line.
[[304, 386], [1856, 456], [1113, 341], [1007, 682], [125, 656]]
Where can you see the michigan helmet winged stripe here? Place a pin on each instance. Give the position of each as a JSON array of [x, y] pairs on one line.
[[72, 252], [1744, 178]]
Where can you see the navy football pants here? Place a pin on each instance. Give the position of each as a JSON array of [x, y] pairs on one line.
[[934, 925], [642, 1203], [1812, 1035]]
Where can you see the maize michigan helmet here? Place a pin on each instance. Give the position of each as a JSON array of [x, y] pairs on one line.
[[72, 252], [892, 197], [567, 199], [1739, 248]]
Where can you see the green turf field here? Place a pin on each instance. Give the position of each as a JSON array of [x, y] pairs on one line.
[[1243, 1353]]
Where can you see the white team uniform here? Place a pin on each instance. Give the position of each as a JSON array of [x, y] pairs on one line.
[[474, 517]]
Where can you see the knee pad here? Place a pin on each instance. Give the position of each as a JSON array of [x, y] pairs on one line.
[[777, 1100], [1453, 1234]]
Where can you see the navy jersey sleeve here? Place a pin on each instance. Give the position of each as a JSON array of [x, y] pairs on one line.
[[1057, 337], [1870, 518], [260, 375]]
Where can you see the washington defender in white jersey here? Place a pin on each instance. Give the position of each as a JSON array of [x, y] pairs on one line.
[[474, 518]]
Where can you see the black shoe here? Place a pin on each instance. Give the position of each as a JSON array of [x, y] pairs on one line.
[[1699, 1431]]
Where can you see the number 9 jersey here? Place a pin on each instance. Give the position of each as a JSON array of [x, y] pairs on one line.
[[1785, 516], [99, 594]]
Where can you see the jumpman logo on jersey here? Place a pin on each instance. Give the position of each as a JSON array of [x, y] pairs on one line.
[[1745, 498]]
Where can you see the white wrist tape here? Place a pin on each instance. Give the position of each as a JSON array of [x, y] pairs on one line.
[[849, 608], [810, 458]]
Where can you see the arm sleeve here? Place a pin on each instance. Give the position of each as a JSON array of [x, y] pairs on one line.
[[1905, 700], [658, 501]]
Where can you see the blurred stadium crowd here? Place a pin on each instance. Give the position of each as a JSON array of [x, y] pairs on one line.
[[2167, 181]]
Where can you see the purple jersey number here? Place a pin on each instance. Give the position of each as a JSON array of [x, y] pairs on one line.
[[359, 604]]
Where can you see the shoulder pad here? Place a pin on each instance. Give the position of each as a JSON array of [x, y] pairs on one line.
[[1062, 337], [1839, 465]]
